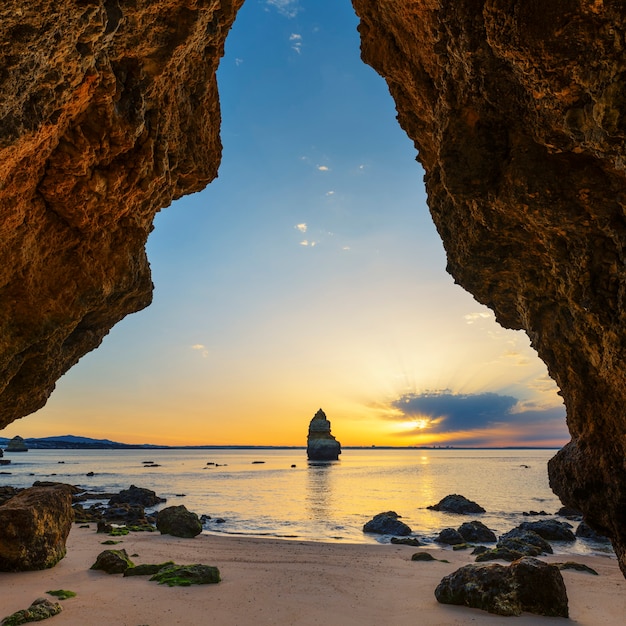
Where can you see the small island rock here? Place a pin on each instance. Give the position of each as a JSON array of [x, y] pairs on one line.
[[17, 444], [455, 503], [387, 523], [321, 445]]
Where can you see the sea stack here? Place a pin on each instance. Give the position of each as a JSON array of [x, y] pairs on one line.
[[321, 445], [17, 444]]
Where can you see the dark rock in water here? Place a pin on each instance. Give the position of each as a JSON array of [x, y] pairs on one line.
[[34, 525], [40, 609], [476, 531], [534, 513], [113, 561], [126, 513], [17, 444], [423, 556], [147, 569], [387, 524], [480, 550], [550, 529], [586, 532], [406, 541], [457, 504], [185, 575], [519, 537], [321, 445], [178, 522], [450, 536], [570, 513], [136, 495], [526, 585]]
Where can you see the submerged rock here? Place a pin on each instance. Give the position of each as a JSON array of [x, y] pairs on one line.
[[136, 496], [178, 522], [387, 523], [528, 584], [34, 526], [320, 444], [455, 503], [550, 529], [586, 532]]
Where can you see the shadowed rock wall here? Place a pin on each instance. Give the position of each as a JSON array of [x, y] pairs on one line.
[[518, 110], [109, 111]]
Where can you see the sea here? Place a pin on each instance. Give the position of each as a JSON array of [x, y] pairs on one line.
[[279, 493]]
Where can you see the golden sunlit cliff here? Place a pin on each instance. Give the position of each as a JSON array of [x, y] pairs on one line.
[[110, 111], [518, 110]]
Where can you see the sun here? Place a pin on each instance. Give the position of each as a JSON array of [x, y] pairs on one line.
[[419, 424]]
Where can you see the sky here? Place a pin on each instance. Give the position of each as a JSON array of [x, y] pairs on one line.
[[308, 275]]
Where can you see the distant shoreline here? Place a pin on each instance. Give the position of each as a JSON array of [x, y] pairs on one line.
[[72, 442]]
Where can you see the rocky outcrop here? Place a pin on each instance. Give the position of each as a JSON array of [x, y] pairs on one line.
[[34, 525], [109, 112], [517, 111], [17, 444], [454, 503], [387, 523], [320, 444], [528, 584]]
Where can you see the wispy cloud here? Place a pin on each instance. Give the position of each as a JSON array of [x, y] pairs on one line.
[[323, 168], [296, 42], [472, 318], [201, 348], [238, 61], [307, 243], [330, 193], [288, 8], [302, 227]]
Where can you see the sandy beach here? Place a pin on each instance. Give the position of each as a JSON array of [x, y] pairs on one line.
[[283, 582]]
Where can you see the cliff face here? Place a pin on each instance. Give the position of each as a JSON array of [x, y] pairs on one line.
[[109, 112], [518, 112]]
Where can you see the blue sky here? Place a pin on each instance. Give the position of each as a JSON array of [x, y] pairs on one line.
[[308, 275]]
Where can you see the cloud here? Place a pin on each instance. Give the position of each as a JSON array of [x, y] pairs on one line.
[[296, 42], [477, 419], [306, 242], [287, 8], [323, 168], [301, 227], [330, 193], [202, 349], [471, 318], [238, 61]]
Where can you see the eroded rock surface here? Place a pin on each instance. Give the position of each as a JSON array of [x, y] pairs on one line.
[[109, 112], [321, 445], [517, 110], [34, 525]]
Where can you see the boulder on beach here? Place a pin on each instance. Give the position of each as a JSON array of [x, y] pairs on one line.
[[185, 575], [476, 531], [113, 561], [586, 532], [528, 584], [34, 525], [516, 544], [136, 496], [40, 609], [387, 523], [178, 522], [450, 537], [455, 503], [321, 445], [550, 529]]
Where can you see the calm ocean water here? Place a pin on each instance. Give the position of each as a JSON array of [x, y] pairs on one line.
[[258, 492]]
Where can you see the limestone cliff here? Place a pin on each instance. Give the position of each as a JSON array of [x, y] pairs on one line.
[[109, 112], [517, 108]]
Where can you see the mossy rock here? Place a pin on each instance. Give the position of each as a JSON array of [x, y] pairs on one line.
[[119, 532], [113, 561], [39, 610], [109, 542], [62, 594], [185, 575], [147, 569], [423, 556]]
